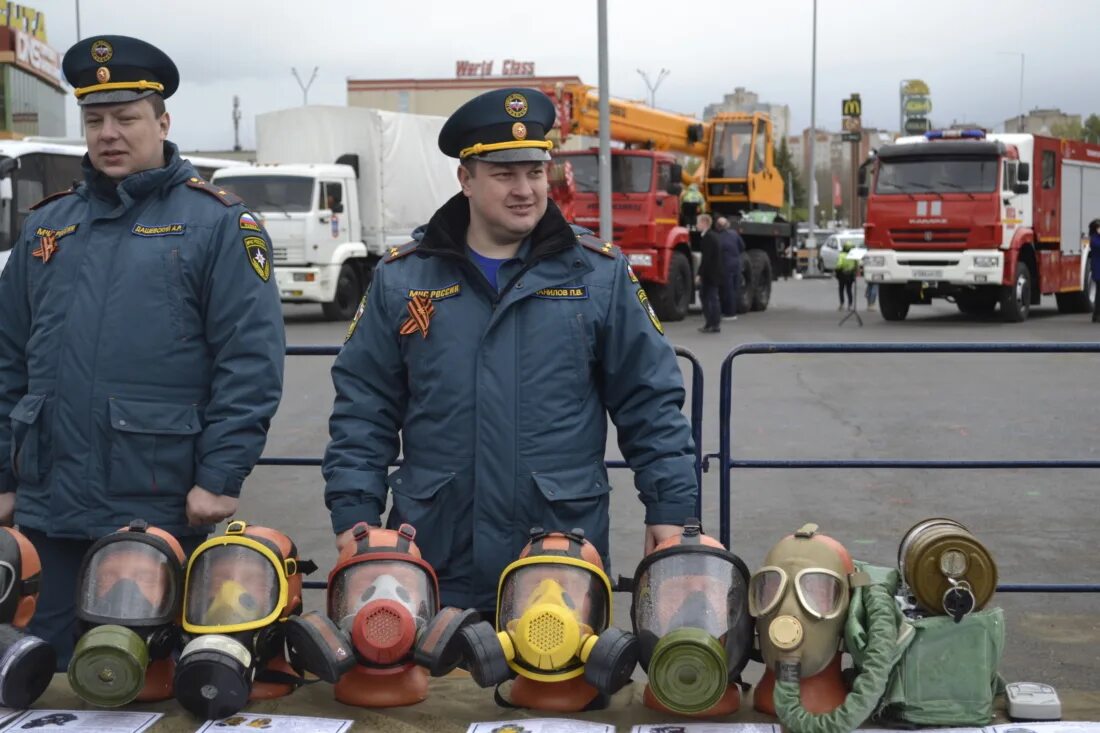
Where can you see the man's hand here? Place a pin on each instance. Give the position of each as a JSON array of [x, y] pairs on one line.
[[7, 508], [204, 507], [658, 533], [347, 537]]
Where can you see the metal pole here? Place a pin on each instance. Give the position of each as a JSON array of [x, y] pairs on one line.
[[304, 87], [811, 240], [1021, 92], [652, 86], [605, 125], [78, 36]]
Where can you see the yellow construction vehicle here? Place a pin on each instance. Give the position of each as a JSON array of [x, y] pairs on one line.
[[737, 176]]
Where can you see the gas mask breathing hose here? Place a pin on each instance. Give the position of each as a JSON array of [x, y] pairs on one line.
[[869, 685]]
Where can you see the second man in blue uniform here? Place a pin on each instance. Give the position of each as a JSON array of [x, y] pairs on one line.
[[490, 353]]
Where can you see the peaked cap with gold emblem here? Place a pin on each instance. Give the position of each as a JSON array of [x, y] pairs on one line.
[[501, 126], [118, 69]]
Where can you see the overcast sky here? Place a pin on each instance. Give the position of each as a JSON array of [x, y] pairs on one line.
[[247, 48]]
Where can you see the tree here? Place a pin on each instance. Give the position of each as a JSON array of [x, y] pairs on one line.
[[784, 162], [1092, 129], [1068, 130]]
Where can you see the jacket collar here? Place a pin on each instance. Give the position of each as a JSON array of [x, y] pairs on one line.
[[446, 232], [139, 185]]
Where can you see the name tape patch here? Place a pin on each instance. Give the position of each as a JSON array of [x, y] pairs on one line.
[[56, 233], [158, 230], [577, 293], [449, 291]]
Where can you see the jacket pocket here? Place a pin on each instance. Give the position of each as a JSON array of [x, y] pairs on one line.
[[423, 497], [152, 448], [29, 454], [576, 498]]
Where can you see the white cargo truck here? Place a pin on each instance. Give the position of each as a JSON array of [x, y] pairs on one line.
[[336, 187]]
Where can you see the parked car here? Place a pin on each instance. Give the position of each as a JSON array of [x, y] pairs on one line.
[[830, 251]]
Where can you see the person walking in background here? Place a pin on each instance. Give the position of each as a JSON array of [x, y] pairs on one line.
[[1094, 248], [711, 275], [732, 247], [846, 268]]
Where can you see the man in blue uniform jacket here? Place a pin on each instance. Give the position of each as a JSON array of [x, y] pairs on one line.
[[490, 353], [142, 342]]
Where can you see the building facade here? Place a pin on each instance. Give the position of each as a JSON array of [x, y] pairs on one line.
[[32, 96], [439, 96], [1043, 122]]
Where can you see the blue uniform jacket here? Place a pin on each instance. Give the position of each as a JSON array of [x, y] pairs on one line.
[[1094, 248], [502, 408], [144, 356]]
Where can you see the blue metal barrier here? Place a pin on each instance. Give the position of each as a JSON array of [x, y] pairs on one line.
[[727, 462], [695, 415]]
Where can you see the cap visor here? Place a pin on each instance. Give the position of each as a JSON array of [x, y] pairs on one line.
[[515, 155], [115, 96]]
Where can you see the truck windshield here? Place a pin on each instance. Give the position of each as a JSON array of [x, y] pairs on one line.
[[938, 175], [285, 194], [731, 151], [629, 173]]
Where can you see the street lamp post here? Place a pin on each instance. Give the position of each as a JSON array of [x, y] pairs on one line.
[[811, 240], [304, 87], [652, 87]]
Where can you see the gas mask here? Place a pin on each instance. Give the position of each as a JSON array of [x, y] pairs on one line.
[[800, 601], [553, 611], [946, 569], [128, 601], [239, 590], [690, 614], [383, 621], [27, 663]]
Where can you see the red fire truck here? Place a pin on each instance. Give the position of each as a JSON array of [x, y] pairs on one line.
[[981, 219]]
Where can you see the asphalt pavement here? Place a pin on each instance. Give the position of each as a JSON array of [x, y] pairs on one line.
[[1040, 525]]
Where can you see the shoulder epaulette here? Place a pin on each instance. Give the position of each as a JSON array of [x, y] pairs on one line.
[[52, 197], [396, 253], [227, 198], [594, 243]]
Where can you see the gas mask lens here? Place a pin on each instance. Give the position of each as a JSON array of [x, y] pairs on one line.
[[821, 592], [232, 586], [576, 591], [687, 589], [766, 590], [404, 583], [128, 582], [7, 580]]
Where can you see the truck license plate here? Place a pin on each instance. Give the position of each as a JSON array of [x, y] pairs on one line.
[[928, 274]]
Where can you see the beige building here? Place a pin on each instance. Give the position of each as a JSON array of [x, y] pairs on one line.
[[437, 96], [743, 100], [1042, 122]]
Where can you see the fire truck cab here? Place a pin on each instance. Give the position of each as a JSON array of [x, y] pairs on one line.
[[983, 220]]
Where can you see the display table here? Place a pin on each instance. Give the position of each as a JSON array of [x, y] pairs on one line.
[[454, 702]]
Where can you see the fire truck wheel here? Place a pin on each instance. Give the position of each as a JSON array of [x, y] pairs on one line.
[[893, 302], [671, 300], [348, 294], [761, 278], [1016, 298], [746, 288]]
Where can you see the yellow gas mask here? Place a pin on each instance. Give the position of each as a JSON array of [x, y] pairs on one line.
[[553, 611]]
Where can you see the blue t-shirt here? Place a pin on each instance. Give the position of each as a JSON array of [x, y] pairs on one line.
[[488, 266]]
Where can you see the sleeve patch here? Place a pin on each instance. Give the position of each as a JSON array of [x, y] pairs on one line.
[[258, 256], [358, 314], [644, 300]]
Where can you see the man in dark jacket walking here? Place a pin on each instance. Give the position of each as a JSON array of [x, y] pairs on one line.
[[712, 275], [141, 343], [732, 249], [1094, 249]]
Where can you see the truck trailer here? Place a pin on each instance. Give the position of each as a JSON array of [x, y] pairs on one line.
[[336, 187]]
